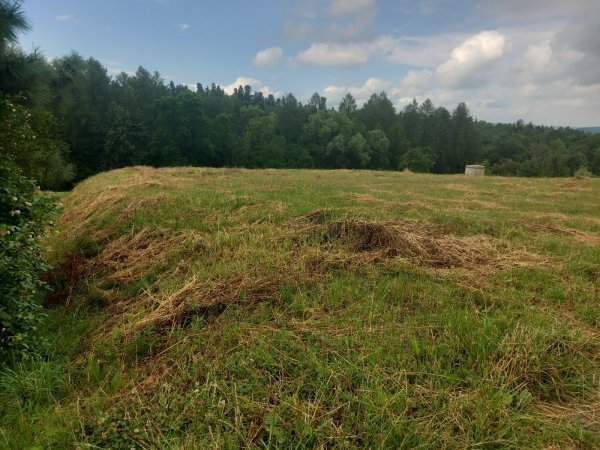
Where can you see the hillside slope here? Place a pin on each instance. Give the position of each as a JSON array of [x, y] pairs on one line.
[[205, 308]]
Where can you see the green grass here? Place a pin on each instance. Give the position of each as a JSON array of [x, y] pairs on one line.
[[221, 309]]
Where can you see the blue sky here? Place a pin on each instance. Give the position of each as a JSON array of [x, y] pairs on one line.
[[538, 60]]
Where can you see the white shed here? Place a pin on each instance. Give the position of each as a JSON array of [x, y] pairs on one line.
[[475, 170]]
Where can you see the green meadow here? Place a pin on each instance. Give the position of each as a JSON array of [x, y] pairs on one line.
[[233, 308]]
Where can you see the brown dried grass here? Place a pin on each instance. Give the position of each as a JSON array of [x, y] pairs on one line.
[[423, 244], [578, 186], [588, 238], [172, 256], [467, 188], [196, 296], [130, 256], [364, 198], [84, 210]]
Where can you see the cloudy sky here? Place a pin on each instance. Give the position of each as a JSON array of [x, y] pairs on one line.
[[538, 60]]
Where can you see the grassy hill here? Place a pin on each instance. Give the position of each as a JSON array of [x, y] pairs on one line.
[[205, 308]]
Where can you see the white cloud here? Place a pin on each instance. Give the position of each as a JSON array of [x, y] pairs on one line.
[[416, 79], [242, 81], [266, 90], [334, 93], [336, 55], [255, 84], [542, 65], [184, 26], [408, 50], [536, 59], [269, 56], [361, 93], [65, 17], [339, 8], [467, 61], [308, 9]]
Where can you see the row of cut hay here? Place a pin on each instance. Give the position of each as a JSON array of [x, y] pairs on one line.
[[107, 196], [592, 239], [176, 289], [197, 296], [421, 243], [78, 214], [132, 255]]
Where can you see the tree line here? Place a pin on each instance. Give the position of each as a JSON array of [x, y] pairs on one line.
[[82, 121]]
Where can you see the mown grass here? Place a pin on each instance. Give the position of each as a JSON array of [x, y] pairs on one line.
[[297, 308]]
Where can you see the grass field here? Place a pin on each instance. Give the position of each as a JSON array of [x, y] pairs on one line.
[[235, 308]]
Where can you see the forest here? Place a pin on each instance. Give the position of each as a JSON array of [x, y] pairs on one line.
[[79, 121], [83, 121]]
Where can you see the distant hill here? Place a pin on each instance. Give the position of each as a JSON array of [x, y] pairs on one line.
[[590, 129]]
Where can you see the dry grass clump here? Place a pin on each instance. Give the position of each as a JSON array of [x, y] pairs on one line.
[[575, 186], [201, 296], [584, 237], [84, 210], [467, 189], [424, 245], [76, 221], [363, 198], [130, 256], [176, 289]]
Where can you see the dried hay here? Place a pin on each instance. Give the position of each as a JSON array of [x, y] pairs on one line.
[[584, 237], [278, 206], [466, 188], [131, 256], [425, 245], [363, 198], [76, 220], [84, 210], [489, 205], [196, 296], [576, 186], [167, 256]]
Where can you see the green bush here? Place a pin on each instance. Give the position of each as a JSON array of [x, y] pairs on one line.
[[24, 217], [28, 137], [582, 173]]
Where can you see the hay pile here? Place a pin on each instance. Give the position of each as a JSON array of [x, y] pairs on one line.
[[168, 263], [347, 242], [423, 244], [131, 256]]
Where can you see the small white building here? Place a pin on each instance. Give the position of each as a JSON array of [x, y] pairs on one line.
[[475, 170]]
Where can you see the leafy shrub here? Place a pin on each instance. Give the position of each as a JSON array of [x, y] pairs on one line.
[[582, 173], [28, 137], [417, 160], [24, 216]]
